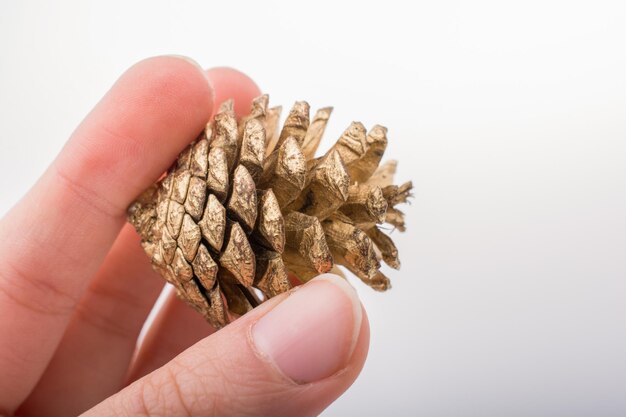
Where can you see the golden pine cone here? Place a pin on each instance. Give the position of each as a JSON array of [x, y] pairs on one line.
[[244, 205]]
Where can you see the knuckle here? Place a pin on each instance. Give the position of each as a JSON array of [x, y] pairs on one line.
[[230, 387], [161, 394], [106, 323], [103, 293], [94, 159], [28, 290]]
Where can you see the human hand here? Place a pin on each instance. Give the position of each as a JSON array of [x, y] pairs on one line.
[[76, 287]]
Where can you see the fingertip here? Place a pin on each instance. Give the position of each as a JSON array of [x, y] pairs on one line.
[[175, 76], [162, 103], [307, 343], [360, 344], [229, 83], [350, 292]]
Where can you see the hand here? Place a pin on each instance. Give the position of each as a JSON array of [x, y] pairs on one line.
[[76, 287]]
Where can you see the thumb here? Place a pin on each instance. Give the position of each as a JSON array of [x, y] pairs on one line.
[[292, 356]]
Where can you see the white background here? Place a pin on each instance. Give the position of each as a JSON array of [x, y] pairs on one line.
[[509, 117]]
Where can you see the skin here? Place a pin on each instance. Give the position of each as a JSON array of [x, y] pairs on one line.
[[69, 320]]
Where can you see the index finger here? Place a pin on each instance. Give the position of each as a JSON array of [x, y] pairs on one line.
[[55, 238]]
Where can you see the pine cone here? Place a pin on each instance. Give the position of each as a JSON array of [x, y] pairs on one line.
[[245, 205]]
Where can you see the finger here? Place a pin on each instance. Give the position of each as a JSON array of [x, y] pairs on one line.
[[288, 357], [56, 237], [101, 338]]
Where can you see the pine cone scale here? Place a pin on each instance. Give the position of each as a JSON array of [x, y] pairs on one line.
[[270, 224], [213, 223], [242, 204], [238, 257]]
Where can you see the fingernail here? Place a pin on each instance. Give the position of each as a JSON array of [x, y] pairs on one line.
[[312, 333]]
